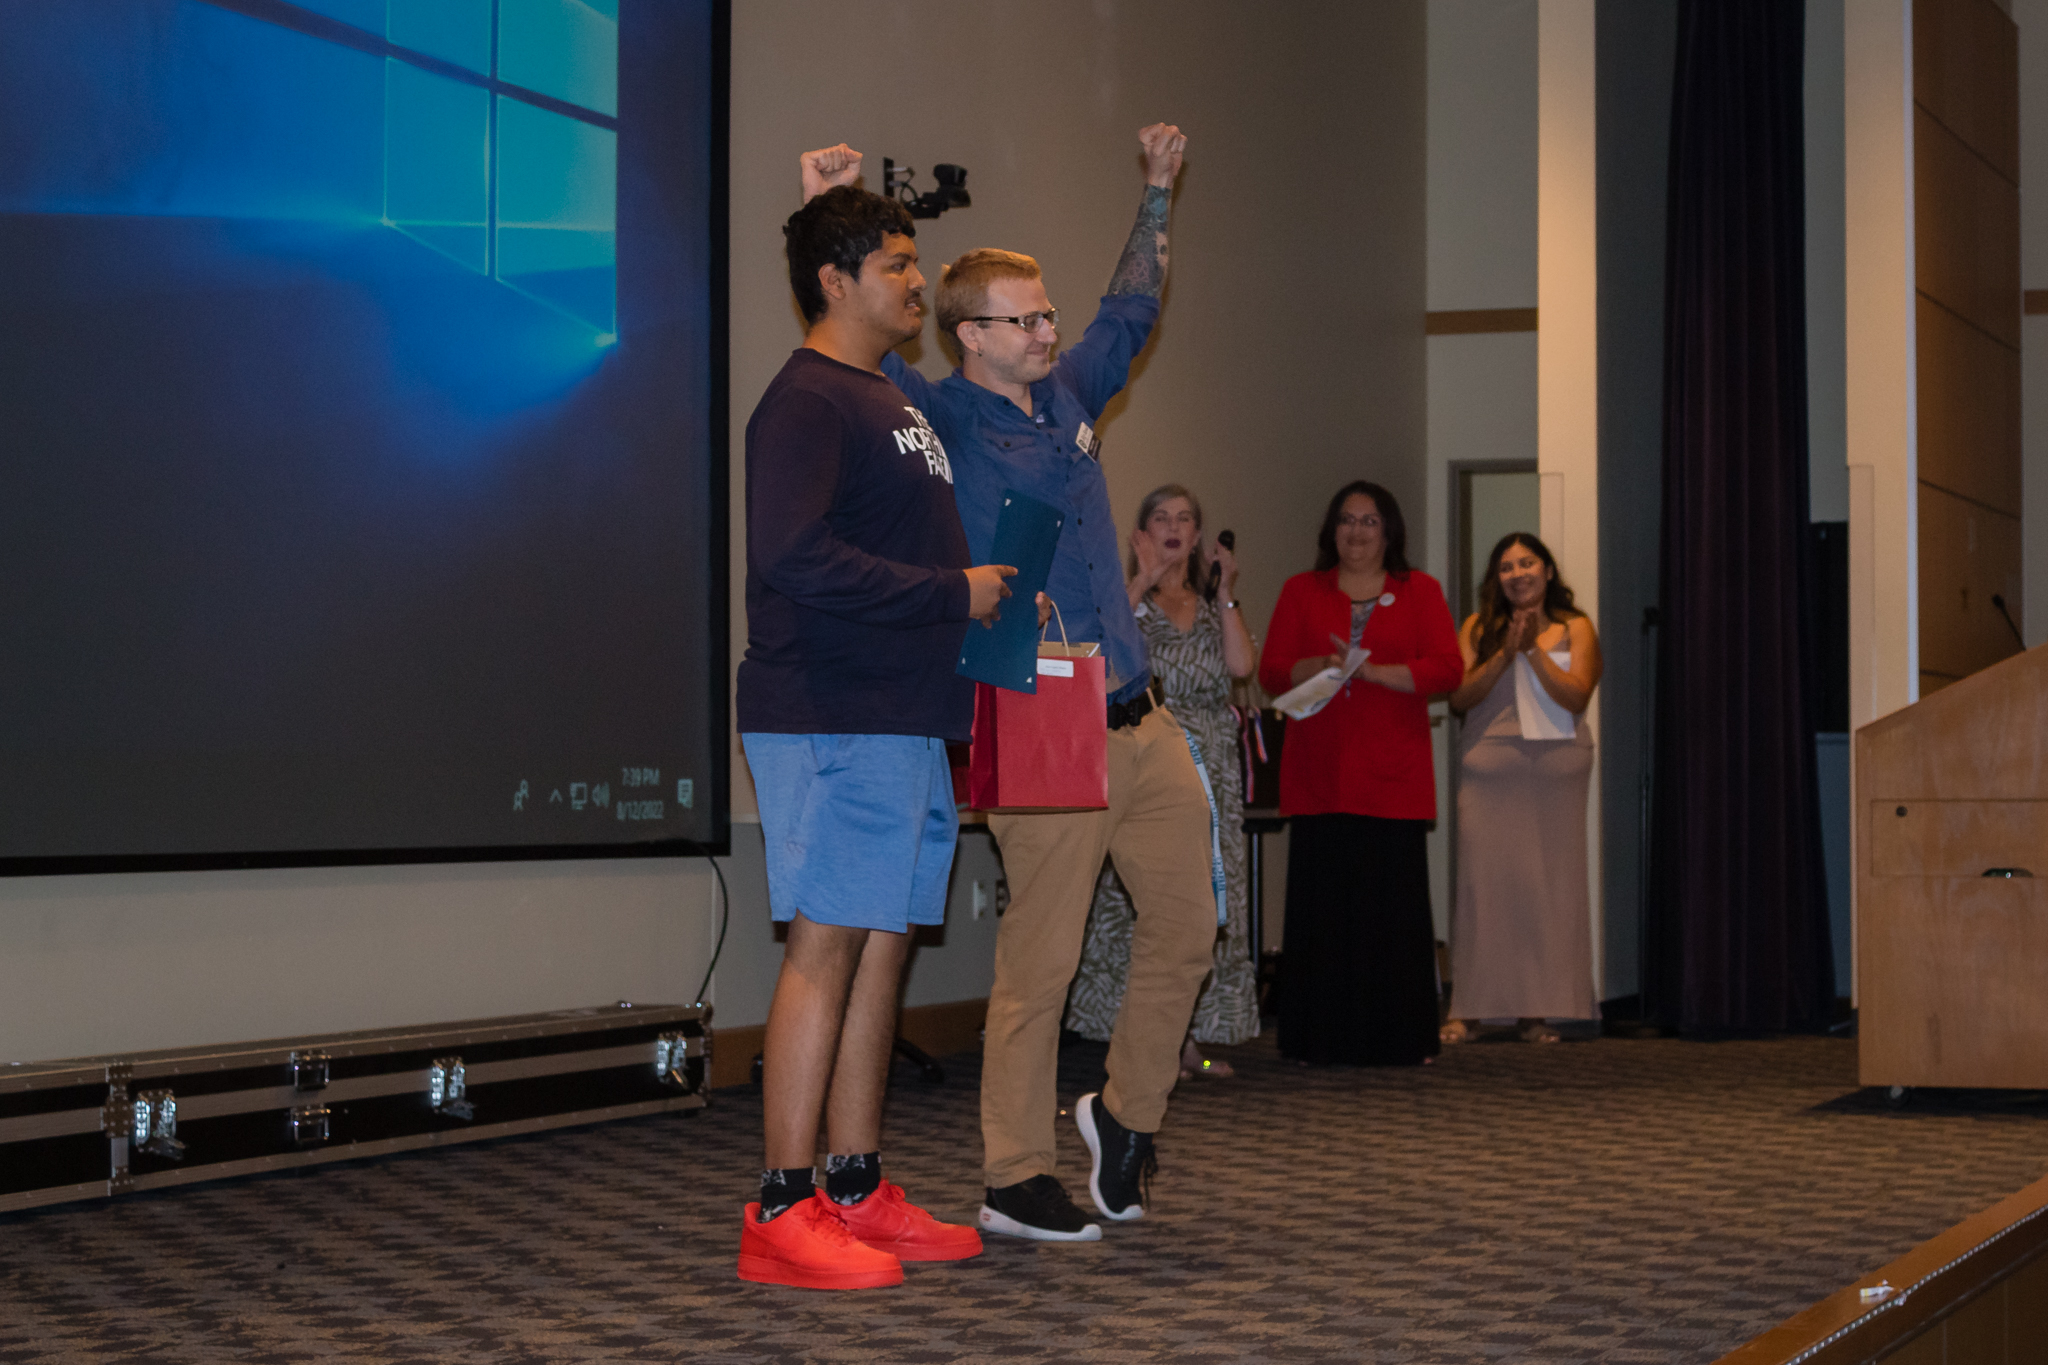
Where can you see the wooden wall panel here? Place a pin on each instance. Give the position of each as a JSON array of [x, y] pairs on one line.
[[1966, 72], [1986, 742], [1921, 1350], [1956, 963], [1454, 322], [1975, 1335], [2026, 1314], [1966, 220], [1950, 967], [1957, 838], [1967, 553], [1969, 410]]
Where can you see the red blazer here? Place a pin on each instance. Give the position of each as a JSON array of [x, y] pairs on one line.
[[1367, 752]]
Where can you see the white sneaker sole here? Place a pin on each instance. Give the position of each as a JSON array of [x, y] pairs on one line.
[[991, 1221], [1084, 1119]]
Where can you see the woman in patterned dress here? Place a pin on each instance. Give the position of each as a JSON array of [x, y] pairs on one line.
[[1197, 645]]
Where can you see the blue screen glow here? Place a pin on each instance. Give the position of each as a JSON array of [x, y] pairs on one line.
[[349, 480], [557, 210], [565, 48], [457, 31], [437, 163]]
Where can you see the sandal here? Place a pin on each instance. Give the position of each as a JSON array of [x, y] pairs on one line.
[[1454, 1032], [1537, 1031], [1221, 1071]]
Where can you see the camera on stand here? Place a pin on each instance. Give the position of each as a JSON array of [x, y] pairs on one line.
[[951, 192]]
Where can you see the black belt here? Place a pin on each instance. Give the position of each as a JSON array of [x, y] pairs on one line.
[[1122, 713]]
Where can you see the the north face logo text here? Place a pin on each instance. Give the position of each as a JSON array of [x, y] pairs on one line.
[[922, 440]]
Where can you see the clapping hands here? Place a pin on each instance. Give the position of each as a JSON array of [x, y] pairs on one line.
[[1152, 561], [1523, 629]]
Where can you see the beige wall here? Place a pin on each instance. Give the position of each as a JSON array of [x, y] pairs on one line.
[[1884, 612], [2032, 18], [1568, 345], [1482, 157], [126, 963], [1826, 340], [1482, 255]]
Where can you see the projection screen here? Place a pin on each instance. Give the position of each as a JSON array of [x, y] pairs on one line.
[[362, 431]]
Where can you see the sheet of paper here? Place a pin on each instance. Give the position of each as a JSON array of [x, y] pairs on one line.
[[1541, 716], [1312, 696]]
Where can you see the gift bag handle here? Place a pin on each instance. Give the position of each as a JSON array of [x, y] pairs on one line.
[[1063, 625]]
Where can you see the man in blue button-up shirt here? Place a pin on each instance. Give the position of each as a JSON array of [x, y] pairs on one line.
[[1015, 415]]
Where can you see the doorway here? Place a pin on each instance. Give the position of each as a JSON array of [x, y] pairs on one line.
[[1489, 498]]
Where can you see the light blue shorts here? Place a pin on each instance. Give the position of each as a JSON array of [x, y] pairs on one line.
[[859, 828]]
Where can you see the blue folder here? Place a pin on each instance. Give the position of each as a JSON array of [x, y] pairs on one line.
[[1006, 655]]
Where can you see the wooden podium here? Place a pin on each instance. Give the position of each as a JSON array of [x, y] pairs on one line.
[[1952, 938]]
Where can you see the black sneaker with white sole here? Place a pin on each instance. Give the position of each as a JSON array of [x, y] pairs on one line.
[[1038, 1208], [1121, 1179]]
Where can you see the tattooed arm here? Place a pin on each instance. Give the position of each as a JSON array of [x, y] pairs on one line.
[[1142, 269]]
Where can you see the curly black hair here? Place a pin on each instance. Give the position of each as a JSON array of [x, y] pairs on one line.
[[840, 227]]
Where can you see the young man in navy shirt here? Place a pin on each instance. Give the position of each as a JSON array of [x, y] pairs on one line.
[[1013, 416], [858, 591]]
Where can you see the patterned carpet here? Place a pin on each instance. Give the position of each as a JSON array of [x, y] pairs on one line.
[[1599, 1201]]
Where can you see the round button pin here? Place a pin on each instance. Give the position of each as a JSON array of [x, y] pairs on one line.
[[1386, 599]]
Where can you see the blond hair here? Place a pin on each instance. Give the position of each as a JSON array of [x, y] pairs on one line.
[[963, 285]]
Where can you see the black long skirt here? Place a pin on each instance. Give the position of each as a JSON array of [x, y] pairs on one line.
[[1358, 982]]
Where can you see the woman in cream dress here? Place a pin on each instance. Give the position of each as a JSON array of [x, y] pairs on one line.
[[1521, 936]]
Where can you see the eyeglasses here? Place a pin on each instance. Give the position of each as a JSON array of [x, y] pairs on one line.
[[1365, 523], [1030, 321]]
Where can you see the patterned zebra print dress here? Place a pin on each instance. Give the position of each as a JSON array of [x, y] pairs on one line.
[[1190, 668]]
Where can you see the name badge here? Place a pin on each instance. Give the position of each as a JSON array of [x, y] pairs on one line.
[[1056, 668]]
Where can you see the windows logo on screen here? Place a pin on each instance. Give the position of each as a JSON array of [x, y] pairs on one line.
[[501, 141]]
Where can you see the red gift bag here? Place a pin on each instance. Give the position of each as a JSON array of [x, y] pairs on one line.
[[1046, 751]]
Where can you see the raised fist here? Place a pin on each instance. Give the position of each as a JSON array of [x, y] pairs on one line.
[[827, 168], [1163, 143]]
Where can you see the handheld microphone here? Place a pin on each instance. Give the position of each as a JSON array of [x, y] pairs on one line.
[[1228, 540]]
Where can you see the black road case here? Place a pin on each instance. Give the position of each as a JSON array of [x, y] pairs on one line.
[[95, 1127]]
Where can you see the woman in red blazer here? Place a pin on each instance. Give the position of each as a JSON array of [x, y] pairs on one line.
[[1359, 980]]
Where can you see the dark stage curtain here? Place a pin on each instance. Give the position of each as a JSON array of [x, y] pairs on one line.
[[1738, 917]]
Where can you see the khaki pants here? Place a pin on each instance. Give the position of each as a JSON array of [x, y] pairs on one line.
[[1156, 831]]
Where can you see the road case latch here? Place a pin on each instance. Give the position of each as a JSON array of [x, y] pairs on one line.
[[310, 1070], [448, 1088], [310, 1124], [671, 1051], [153, 1124]]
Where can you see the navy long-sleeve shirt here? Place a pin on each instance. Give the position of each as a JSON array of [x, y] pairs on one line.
[[856, 596], [1052, 455]]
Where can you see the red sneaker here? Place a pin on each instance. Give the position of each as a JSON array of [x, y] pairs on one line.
[[886, 1221], [808, 1248]]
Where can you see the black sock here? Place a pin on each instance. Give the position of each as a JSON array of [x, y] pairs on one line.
[[784, 1189], [850, 1179]]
